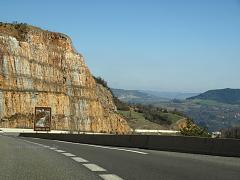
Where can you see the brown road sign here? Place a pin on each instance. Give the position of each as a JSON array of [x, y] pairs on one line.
[[42, 119]]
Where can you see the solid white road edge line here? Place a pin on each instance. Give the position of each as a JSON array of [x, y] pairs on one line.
[[94, 167], [110, 177], [105, 147], [32, 142], [52, 148]]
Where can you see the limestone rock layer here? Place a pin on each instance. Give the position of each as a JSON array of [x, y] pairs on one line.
[[41, 68]]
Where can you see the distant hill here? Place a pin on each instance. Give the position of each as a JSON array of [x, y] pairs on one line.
[[136, 96], [171, 95], [228, 96], [149, 97]]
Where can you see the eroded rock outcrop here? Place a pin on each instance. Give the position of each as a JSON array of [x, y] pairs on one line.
[[41, 68]]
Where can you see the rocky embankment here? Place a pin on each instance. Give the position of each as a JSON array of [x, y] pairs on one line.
[[41, 68]]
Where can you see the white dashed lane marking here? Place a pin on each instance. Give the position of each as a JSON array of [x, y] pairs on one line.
[[68, 154], [52, 148], [78, 159], [110, 177], [94, 167], [46, 146], [60, 151]]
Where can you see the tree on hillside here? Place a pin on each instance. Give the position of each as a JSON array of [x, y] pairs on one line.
[[192, 129], [233, 132]]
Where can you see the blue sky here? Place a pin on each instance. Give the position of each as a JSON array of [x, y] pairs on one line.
[[163, 45]]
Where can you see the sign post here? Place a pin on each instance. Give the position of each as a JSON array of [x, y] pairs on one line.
[[42, 120]]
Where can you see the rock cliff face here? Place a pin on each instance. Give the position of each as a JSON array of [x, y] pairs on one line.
[[41, 68]]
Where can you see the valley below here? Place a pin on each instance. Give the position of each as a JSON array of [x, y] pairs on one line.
[[212, 114]]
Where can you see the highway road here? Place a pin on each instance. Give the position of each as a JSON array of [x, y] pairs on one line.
[[31, 158]]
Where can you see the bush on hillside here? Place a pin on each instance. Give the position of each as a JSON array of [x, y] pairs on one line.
[[192, 129], [153, 114]]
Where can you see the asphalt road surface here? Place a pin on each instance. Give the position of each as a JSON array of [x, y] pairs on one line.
[[31, 158]]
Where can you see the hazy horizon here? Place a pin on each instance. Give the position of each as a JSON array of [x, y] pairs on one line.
[[166, 46], [162, 91]]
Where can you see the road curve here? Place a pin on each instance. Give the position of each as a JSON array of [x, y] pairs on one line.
[[21, 160], [40, 158]]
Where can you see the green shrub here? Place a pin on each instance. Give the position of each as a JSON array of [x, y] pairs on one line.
[[192, 129]]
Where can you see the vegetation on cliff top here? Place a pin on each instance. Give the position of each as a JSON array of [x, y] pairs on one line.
[[19, 30], [119, 104], [15, 29]]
